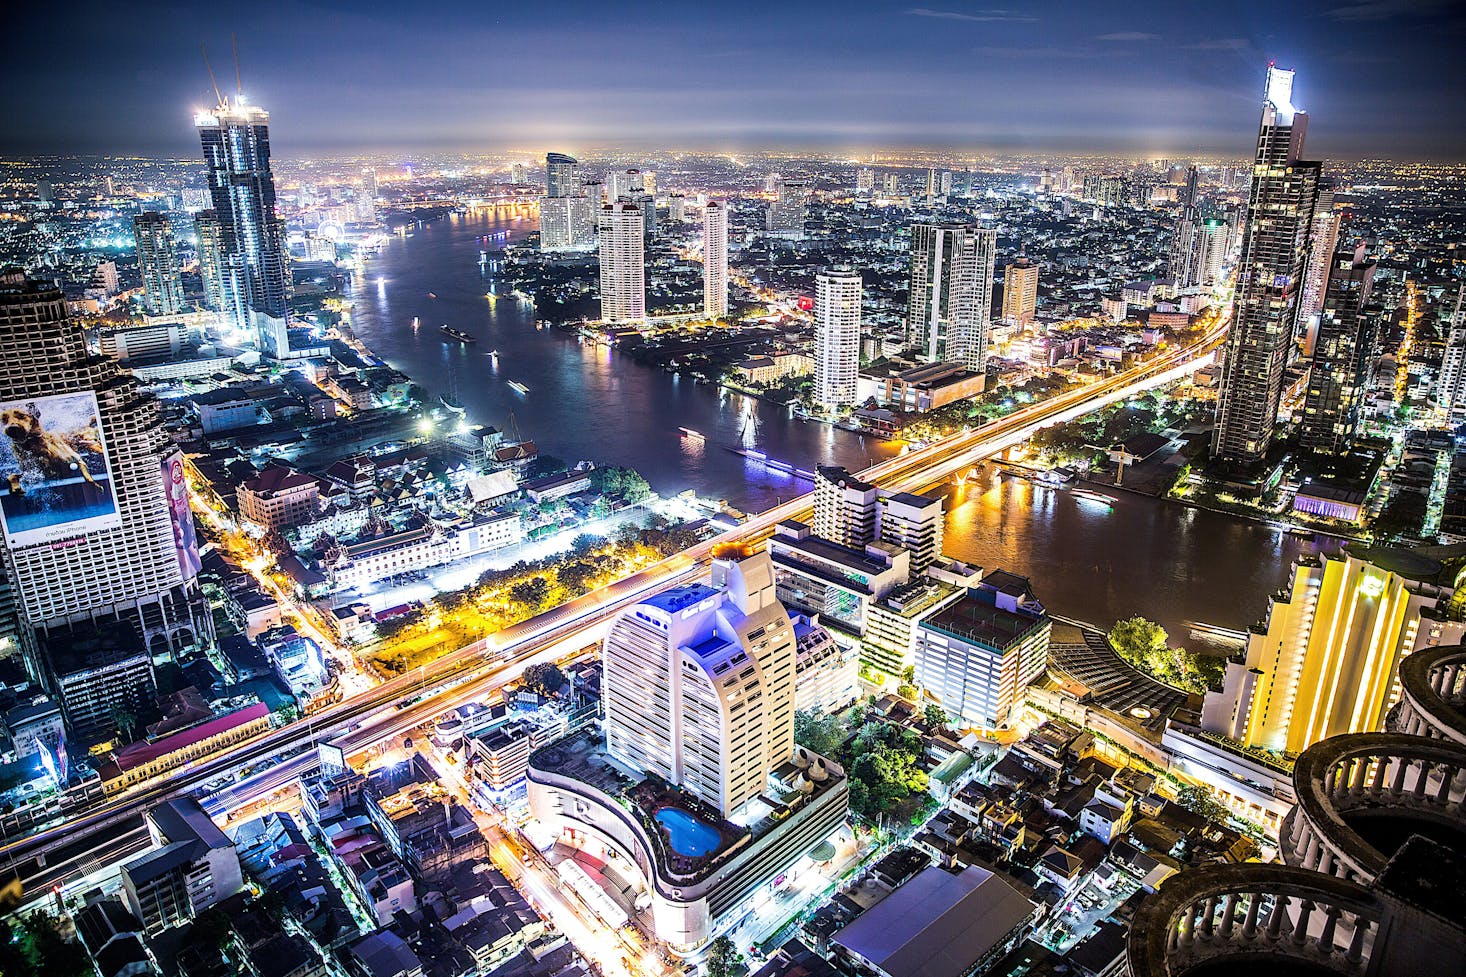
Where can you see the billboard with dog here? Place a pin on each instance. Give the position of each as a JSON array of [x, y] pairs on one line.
[[55, 480]]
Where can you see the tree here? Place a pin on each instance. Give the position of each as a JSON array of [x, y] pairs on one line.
[[724, 960], [544, 678], [1202, 801], [935, 716], [531, 594], [1135, 638], [820, 734]]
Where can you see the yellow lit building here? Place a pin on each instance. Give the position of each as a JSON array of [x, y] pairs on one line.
[[1324, 660]]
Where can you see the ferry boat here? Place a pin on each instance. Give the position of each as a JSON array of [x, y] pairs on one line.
[[457, 334], [494, 355], [432, 295], [688, 432], [1099, 498], [519, 386], [415, 323], [452, 405]]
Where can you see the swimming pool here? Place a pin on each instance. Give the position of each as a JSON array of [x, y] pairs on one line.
[[689, 836]]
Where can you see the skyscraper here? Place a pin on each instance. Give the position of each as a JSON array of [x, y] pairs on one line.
[[932, 187], [1185, 257], [692, 696], [100, 538], [623, 262], [1341, 355], [1270, 275], [157, 260], [837, 293], [1213, 239], [211, 258], [949, 305], [865, 180], [255, 269], [715, 259], [562, 175], [567, 214], [1020, 291]]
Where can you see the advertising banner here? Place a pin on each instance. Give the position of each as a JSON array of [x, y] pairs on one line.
[[55, 479], [185, 537]]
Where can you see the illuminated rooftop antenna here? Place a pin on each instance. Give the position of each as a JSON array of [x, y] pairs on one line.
[[218, 99], [238, 82]]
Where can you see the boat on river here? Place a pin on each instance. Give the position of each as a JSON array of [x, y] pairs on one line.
[[1098, 498], [521, 388], [458, 335]]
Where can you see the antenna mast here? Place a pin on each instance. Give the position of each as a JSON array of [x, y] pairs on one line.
[[219, 99]]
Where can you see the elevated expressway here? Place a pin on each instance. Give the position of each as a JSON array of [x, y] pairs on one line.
[[103, 834]]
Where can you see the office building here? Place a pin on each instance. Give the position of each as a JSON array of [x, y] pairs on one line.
[[915, 523], [977, 655], [1324, 659], [624, 185], [109, 548], [256, 270], [949, 305], [1183, 263], [785, 218], [715, 259], [837, 294], [1274, 250], [157, 261], [1020, 291], [846, 510], [1450, 391], [865, 181], [933, 188], [194, 866], [888, 645], [623, 262], [1341, 356], [210, 249], [892, 184], [699, 789]]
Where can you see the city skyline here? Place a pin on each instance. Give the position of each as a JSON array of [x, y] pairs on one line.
[[1074, 78]]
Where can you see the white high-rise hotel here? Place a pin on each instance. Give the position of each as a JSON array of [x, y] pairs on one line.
[[837, 336], [623, 263], [715, 259], [949, 304], [567, 212], [699, 786], [699, 685]]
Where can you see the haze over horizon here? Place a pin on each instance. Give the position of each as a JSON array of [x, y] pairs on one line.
[[1119, 78]]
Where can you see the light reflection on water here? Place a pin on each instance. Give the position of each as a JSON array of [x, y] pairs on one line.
[[1163, 560]]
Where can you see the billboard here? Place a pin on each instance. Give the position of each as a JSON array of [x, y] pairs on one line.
[[55, 479], [185, 538]]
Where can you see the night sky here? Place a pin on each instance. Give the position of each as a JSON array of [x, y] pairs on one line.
[[1379, 77]]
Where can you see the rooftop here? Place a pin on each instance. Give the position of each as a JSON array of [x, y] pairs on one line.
[[977, 620], [939, 924]]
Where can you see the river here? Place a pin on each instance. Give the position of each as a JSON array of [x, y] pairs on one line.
[[1167, 561]]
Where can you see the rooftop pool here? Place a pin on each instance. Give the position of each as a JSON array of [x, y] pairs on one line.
[[690, 837]]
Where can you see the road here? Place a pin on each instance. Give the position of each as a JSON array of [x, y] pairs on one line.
[[482, 665]]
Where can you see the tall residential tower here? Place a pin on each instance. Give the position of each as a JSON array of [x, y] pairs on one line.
[[157, 259], [715, 259], [1269, 278], [623, 262], [837, 292], [949, 306]]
